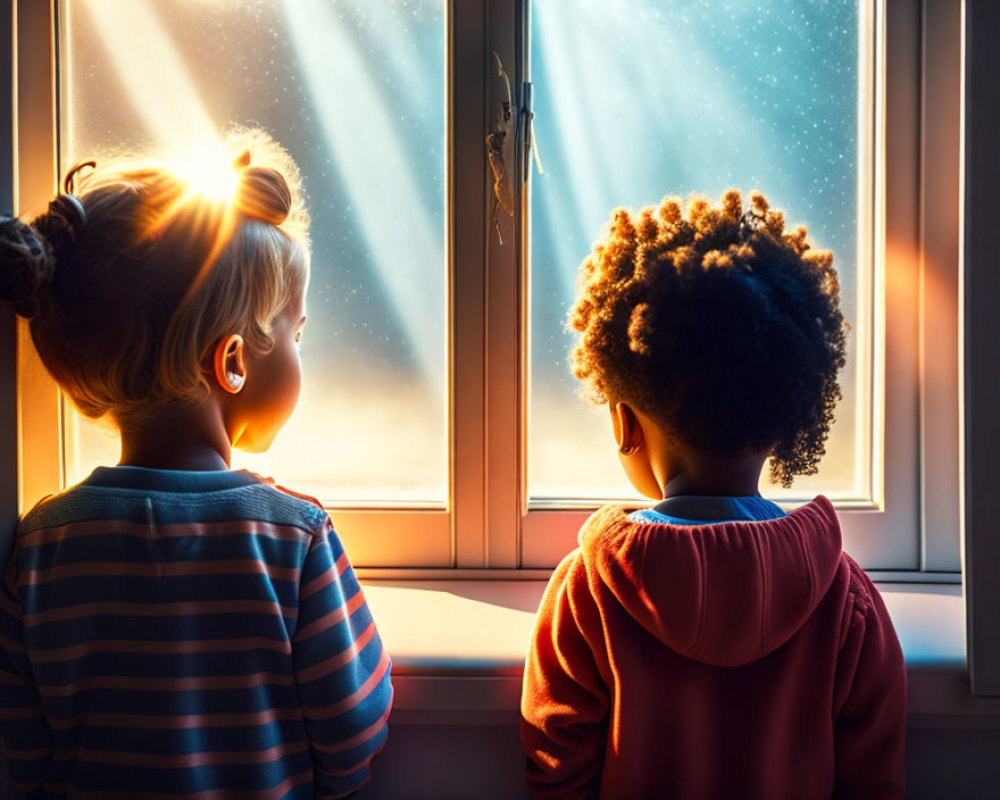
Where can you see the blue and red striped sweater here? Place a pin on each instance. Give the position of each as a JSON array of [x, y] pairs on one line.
[[168, 634]]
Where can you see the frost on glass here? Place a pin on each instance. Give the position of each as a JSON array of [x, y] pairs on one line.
[[635, 99], [355, 90]]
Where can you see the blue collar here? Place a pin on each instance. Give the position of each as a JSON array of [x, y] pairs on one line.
[[169, 480]]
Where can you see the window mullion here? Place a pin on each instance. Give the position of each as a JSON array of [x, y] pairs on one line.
[[40, 465], [8, 325], [503, 292], [939, 233], [467, 212]]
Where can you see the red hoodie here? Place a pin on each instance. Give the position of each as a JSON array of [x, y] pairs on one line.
[[728, 660]]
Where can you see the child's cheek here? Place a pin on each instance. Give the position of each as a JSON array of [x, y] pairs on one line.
[[640, 475], [288, 385], [276, 389]]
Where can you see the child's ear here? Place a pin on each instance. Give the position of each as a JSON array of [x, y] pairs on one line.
[[230, 368], [629, 434]]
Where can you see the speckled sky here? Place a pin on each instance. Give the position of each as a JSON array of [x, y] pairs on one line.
[[636, 99]]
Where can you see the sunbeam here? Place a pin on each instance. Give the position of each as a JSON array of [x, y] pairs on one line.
[[372, 148], [619, 150], [152, 72], [162, 79], [640, 98]]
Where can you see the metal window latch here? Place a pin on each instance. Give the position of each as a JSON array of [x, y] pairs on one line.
[[501, 143], [527, 119], [499, 151]]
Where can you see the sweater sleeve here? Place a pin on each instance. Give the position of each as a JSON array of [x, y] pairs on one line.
[[565, 702], [26, 738], [341, 670], [870, 726]]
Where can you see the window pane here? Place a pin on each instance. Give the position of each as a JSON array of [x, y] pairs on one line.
[[355, 90], [635, 99]]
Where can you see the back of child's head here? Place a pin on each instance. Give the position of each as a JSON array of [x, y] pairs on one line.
[[719, 325], [127, 300]]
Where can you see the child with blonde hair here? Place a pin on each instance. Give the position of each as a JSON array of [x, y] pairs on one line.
[[712, 646], [170, 627]]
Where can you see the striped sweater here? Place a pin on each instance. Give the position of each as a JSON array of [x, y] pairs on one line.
[[169, 634]]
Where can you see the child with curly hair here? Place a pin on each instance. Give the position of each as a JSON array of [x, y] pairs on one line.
[[712, 646], [170, 627]]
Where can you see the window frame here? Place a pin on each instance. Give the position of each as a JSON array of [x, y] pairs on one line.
[[867, 495], [420, 538], [914, 91], [981, 341], [488, 528], [8, 324]]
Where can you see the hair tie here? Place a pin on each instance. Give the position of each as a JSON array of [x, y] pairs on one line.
[[69, 182], [65, 220], [66, 217]]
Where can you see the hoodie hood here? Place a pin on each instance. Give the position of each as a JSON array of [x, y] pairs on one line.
[[725, 593]]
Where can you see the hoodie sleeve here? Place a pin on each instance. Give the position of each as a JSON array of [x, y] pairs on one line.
[[565, 702], [870, 726]]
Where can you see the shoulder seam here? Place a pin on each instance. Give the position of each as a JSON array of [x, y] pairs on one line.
[[858, 588]]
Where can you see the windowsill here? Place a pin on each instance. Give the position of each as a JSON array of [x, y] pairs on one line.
[[458, 649]]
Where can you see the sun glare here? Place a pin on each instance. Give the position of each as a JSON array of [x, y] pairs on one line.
[[208, 170]]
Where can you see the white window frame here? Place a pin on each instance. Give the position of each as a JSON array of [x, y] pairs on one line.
[[419, 538], [488, 530], [909, 529]]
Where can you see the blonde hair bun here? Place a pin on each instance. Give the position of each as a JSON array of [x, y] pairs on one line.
[[263, 194]]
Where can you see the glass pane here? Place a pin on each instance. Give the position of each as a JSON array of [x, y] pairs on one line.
[[355, 89], [635, 99]]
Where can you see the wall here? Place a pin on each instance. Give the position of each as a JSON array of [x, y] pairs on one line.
[[484, 762], [8, 350]]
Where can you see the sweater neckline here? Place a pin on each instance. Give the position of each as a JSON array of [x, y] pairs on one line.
[[169, 480]]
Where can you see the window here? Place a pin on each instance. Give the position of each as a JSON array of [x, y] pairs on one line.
[[816, 105], [444, 425], [771, 96], [348, 88]]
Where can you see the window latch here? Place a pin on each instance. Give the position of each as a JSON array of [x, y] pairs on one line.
[[499, 151], [526, 118], [501, 144]]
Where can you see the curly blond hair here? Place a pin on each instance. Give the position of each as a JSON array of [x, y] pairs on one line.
[[719, 324]]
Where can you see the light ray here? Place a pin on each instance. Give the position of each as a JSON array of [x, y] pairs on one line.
[[152, 72], [373, 151], [639, 98], [607, 146], [156, 80]]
